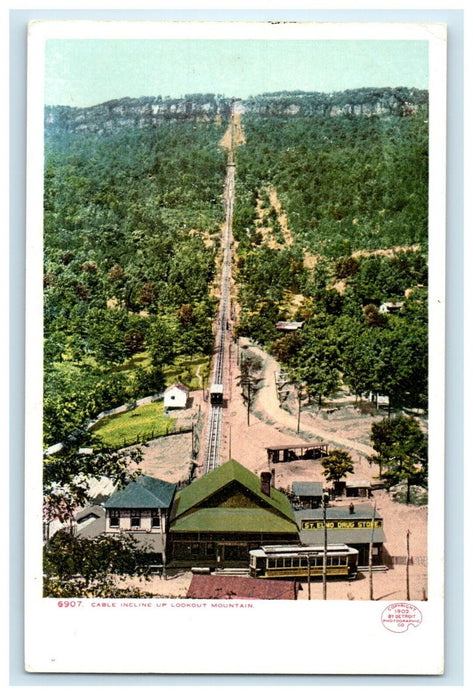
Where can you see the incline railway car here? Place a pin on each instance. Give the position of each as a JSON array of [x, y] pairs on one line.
[[216, 394], [289, 561]]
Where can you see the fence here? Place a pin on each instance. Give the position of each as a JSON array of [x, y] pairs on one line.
[[151, 436], [53, 449]]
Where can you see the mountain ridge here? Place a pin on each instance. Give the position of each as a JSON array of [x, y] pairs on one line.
[[143, 112]]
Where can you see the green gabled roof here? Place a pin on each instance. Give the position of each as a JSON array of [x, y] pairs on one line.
[[143, 492], [201, 489], [244, 520]]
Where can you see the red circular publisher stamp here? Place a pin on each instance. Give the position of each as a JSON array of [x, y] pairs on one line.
[[398, 617]]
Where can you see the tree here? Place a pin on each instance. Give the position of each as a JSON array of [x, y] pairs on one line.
[[78, 567], [160, 340], [285, 347], [106, 330], [134, 341], [66, 476], [337, 465], [373, 317], [401, 451], [360, 358], [148, 381], [249, 380]]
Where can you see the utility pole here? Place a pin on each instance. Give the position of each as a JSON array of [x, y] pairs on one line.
[[371, 552], [408, 595], [247, 383], [324, 569], [299, 400], [308, 577]]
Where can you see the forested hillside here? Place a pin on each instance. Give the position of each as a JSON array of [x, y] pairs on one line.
[[330, 220], [131, 228], [354, 192]]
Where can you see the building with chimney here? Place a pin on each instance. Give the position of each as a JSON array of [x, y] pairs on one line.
[[218, 518]]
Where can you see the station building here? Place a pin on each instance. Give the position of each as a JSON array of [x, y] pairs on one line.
[[218, 518], [350, 525]]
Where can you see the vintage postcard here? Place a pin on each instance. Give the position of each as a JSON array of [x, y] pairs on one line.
[[235, 347]]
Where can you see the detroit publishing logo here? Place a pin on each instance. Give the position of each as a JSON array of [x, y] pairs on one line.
[[398, 617]]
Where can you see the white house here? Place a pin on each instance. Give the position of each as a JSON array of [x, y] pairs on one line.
[[176, 396], [391, 307]]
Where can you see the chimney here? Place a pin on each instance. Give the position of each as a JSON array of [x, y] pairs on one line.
[[266, 483]]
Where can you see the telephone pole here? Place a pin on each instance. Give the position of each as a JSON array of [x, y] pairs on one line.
[[324, 569], [371, 552], [408, 593]]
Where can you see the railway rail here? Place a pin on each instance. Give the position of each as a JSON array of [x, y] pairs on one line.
[[214, 427]]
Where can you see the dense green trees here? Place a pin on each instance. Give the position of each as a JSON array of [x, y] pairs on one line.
[[400, 451], [128, 220], [75, 567], [346, 182], [350, 185], [66, 475]]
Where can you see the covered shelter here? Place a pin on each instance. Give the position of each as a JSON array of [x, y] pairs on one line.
[[298, 450], [289, 325]]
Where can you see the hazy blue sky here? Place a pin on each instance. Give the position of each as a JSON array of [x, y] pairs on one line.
[[86, 72]]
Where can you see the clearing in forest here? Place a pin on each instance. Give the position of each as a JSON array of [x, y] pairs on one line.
[[238, 134], [271, 220], [385, 252]]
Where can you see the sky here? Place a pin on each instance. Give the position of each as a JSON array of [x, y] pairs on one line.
[[85, 72]]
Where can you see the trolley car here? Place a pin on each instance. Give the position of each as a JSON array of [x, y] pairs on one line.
[[293, 561]]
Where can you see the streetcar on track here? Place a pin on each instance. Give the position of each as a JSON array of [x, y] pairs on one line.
[[293, 561]]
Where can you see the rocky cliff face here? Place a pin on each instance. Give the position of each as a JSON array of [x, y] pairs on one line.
[[143, 112], [365, 101], [135, 113]]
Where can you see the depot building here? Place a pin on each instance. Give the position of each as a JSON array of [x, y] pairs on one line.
[[218, 518], [356, 526]]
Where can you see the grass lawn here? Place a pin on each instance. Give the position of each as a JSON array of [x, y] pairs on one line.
[[188, 370], [115, 431]]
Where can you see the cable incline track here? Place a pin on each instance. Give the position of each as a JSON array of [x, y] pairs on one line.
[[214, 428]]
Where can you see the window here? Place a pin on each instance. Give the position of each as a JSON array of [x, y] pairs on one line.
[[195, 548], [114, 518], [135, 518], [155, 518], [210, 547]]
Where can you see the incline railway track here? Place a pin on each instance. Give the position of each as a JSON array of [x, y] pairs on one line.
[[214, 427]]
